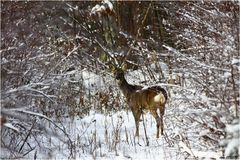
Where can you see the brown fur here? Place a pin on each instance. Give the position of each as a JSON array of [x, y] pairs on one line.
[[139, 98]]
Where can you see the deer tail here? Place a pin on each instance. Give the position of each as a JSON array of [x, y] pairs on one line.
[[160, 98]]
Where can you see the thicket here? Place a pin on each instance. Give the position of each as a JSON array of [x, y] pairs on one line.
[[48, 48]]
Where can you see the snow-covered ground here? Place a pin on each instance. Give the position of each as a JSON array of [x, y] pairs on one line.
[[110, 136]]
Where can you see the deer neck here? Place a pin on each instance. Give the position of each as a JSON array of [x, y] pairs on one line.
[[125, 87]]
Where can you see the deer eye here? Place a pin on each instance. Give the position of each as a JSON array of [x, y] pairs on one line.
[[117, 77]]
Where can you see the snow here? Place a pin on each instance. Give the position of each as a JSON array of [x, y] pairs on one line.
[[233, 128], [108, 136], [235, 61], [38, 82], [7, 49], [200, 154], [138, 76], [99, 9], [110, 5], [9, 125], [191, 59], [234, 142], [92, 81], [126, 35]]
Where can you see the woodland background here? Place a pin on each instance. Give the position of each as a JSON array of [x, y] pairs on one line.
[[55, 65]]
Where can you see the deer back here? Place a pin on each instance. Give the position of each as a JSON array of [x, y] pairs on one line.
[[149, 98]]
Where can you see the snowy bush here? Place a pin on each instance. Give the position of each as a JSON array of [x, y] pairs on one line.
[[59, 98], [232, 142]]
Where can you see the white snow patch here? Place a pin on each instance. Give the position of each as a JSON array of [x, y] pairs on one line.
[[91, 81], [109, 136], [235, 61]]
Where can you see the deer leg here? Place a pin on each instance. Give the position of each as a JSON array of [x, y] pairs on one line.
[[136, 115], [162, 110], [157, 118]]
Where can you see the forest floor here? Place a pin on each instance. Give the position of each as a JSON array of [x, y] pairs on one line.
[[111, 136]]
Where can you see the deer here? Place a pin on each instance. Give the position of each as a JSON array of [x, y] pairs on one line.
[[141, 98]]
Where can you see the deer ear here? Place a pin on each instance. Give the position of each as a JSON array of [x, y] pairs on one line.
[[124, 66], [113, 69]]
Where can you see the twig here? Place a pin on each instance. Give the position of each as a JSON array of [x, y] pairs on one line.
[[139, 29], [178, 53], [200, 154], [187, 149], [25, 140], [236, 103], [52, 69], [50, 120]]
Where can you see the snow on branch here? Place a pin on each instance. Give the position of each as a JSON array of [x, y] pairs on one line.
[[233, 142], [10, 126], [106, 8], [7, 49], [193, 60], [29, 88]]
